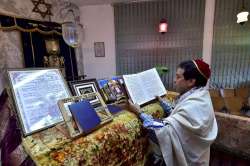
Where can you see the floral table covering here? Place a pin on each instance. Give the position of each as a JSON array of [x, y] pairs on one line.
[[121, 142]]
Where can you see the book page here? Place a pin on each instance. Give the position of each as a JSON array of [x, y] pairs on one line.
[[134, 88], [152, 84], [144, 86]]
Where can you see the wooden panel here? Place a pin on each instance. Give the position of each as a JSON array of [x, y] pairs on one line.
[[242, 92]]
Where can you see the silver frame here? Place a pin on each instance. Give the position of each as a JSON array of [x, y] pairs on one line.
[[16, 99], [99, 49]]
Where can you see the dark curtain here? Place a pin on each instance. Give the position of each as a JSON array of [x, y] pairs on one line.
[[34, 50], [26, 25], [33, 34]]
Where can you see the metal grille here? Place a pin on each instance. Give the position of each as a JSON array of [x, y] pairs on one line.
[[139, 46], [231, 46]]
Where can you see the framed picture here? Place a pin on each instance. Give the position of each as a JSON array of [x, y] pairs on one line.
[[73, 127], [99, 49], [36, 93], [82, 87], [113, 89]]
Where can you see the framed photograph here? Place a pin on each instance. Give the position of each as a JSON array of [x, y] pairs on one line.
[[99, 49], [82, 87], [113, 89], [73, 127], [36, 93]]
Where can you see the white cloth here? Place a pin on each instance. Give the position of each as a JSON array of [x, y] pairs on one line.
[[191, 128]]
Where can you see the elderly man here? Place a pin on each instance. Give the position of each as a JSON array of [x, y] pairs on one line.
[[185, 136]]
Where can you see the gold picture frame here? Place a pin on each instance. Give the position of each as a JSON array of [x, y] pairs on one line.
[[102, 111], [36, 92]]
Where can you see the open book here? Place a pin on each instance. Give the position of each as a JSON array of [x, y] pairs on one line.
[[144, 86]]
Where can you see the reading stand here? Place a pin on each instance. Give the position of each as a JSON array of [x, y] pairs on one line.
[[102, 111]]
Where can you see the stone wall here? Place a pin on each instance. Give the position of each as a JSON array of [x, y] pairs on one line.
[[11, 54]]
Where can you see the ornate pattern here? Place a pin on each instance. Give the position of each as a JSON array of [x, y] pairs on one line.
[[11, 55], [41, 7], [123, 140]]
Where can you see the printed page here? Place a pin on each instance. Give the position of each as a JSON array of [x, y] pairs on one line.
[[152, 84], [144, 86], [135, 88], [37, 92]]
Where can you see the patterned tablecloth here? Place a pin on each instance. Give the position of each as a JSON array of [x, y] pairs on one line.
[[121, 142]]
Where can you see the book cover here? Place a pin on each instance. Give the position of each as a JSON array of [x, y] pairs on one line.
[[85, 115], [113, 89], [113, 109]]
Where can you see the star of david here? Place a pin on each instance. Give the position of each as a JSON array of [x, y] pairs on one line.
[[41, 7]]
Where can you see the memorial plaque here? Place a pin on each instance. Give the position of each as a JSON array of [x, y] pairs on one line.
[[36, 93]]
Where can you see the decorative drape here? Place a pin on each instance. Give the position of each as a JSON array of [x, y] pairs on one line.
[[26, 25], [33, 35], [34, 50], [139, 45]]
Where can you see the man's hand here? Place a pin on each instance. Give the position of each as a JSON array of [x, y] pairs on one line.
[[135, 108], [166, 105]]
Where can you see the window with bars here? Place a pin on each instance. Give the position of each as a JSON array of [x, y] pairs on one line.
[[139, 45], [231, 46]]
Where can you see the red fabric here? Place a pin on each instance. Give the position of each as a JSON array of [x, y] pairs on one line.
[[203, 67]]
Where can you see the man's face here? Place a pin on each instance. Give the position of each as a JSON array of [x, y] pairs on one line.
[[181, 84]]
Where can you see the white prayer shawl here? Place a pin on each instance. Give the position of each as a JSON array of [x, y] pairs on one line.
[[191, 128]]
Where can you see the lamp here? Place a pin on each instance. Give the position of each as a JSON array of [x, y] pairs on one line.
[[163, 26], [72, 31], [242, 15]]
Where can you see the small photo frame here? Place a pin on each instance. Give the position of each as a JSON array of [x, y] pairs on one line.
[[82, 87], [99, 49], [113, 89]]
